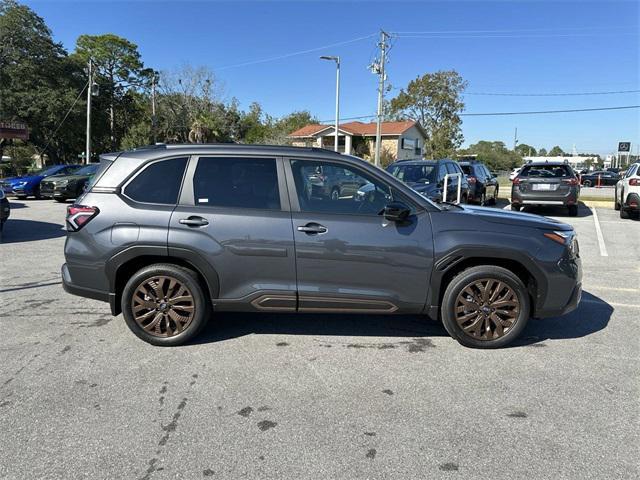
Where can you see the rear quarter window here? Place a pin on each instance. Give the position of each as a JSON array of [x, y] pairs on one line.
[[158, 182]]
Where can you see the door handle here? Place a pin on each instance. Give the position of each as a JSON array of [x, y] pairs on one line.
[[194, 221], [312, 228]]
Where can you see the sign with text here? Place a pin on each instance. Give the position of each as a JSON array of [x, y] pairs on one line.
[[14, 130]]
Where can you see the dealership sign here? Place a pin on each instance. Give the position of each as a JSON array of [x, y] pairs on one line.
[[624, 146], [14, 130]]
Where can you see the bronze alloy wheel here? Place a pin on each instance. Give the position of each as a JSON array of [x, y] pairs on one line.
[[162, 306], [487, 309]]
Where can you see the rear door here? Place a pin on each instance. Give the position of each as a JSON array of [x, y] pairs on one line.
[[348, 257], [234, 214]]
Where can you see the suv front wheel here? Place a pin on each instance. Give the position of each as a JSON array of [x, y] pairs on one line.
[[485, 307], [165, 304]]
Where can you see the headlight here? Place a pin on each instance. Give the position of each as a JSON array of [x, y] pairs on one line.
[[61, 183], [20, 184]]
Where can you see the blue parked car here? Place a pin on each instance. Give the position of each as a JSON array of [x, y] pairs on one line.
[[29, 185]]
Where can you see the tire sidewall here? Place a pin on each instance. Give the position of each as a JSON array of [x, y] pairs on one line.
[[476, 273], [189, 279]]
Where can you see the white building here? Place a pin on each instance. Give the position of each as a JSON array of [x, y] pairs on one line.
[[577, 162]]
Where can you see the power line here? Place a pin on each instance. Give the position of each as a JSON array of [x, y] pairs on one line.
[[532, 35], [293, 54], [519, 30], [511, 113], [63, 120], [551, 94], [549, 111]]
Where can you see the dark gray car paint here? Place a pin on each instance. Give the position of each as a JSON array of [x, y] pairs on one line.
[[257, 260]]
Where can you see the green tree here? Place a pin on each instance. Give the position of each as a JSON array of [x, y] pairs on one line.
[[542, 152], [495, 154], [525, 150], [435, 100], [39, 83], [556, 152], [120, 68]]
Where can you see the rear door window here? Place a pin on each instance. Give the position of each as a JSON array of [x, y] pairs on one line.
[[237, 182], [158, 183]]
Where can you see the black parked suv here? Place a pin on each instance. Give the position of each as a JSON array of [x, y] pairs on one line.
[[65, 186], [546, 183], [483, 185], [171, 235], [427, 177]]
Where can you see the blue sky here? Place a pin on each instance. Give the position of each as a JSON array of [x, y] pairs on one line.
[[498, 47]]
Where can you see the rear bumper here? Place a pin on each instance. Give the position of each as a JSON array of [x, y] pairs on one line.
[[5, 210], [73, 289], [520, 198], [632, 202]]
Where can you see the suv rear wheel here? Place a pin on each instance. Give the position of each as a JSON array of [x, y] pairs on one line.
[[165, 305], [485, 307]]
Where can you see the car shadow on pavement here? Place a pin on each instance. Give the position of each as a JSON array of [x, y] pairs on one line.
[[592, 315], [18, 231], [558, 211], [17, 205], [228, 325]]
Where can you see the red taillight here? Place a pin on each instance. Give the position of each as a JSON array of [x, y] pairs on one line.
[[571, 181], [79, 215], [516, 181], [472, 179], [634, 182]]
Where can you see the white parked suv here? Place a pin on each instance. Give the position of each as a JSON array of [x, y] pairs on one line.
[[628, 192]]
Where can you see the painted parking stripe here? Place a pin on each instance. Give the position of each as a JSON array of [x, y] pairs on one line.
[[601, 244], [612, 304]]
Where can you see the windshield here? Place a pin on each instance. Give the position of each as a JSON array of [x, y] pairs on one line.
[[466, 169], [45, 172], [88, 170], [414, 173]]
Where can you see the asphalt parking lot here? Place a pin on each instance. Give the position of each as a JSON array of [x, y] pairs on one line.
[[304, 396]]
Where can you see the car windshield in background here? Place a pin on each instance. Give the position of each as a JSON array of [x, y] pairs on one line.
[[414, 173], [466, 169], [88, 170], [45, 171], [546, 171]]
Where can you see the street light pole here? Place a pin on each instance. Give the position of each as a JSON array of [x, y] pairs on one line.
[[337, 122], [153, 107], [87, 150]]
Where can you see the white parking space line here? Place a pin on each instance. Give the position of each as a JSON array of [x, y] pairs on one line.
[[601, 244], [614, 289], [613, 304]]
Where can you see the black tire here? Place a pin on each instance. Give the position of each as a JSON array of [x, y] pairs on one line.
[[616, 203], [470, 276], [60, 199], [483, 199], [624, 214], [188, 279], [335, 194], [573, 210], [21, 197], [586, 183], [515, 207]]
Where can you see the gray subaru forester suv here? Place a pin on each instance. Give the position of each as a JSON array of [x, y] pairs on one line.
[[170, 235]]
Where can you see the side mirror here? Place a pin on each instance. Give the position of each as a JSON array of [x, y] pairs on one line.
[[396, 212]]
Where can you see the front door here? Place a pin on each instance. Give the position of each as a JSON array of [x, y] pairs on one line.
[[234, 213], [348, 257]]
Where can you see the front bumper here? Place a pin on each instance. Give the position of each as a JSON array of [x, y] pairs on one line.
[[57, 191]]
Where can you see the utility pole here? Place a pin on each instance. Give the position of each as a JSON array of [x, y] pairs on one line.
[[153, 107], [337, 124], [87, 150], [379, 69], [515, 139]]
